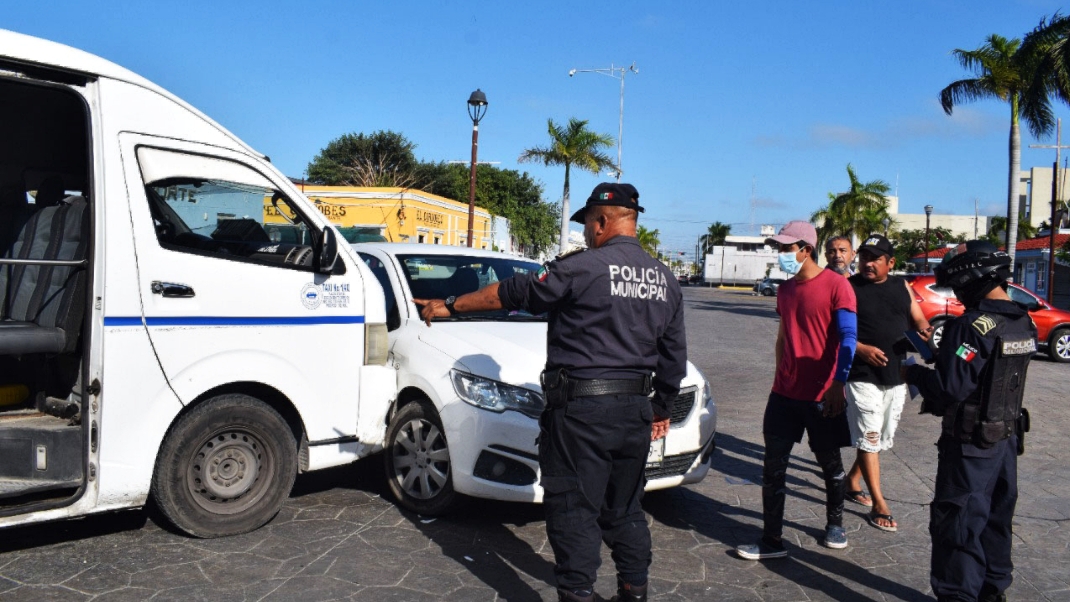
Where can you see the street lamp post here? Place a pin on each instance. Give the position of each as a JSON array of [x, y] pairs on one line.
[[616, 73], [477, 108], [928, 213], [887, 222]]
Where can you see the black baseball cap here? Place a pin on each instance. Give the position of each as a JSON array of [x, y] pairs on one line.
[[610, 194], [877, 245]]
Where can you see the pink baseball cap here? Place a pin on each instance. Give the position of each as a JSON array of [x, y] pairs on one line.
[[796, 231]]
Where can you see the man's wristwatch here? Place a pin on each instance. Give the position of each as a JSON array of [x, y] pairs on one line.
[[449, 304]]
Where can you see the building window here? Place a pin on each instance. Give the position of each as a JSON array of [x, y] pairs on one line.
[[420, 238], [438, 240], [1042, 276]]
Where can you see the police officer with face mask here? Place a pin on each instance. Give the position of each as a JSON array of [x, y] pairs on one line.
[[977, 389], [615, 356]]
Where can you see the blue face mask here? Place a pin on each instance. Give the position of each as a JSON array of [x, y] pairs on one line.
[[789, 264]]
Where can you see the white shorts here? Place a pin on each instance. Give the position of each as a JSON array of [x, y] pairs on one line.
[[875, 409]]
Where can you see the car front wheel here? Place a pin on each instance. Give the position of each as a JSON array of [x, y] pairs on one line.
[[1059, 348], [417, 459]]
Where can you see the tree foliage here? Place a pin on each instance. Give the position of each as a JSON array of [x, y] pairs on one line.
[[505, 192], [1025, 74], [571, 145], [383, 158], [648, 239], [911, 243], [997, 230], [715, 235], [856, 213]]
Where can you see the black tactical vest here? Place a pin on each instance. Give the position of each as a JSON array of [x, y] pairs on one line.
[[988, 415]]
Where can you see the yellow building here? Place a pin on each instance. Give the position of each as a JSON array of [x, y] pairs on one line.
[[398, 214]]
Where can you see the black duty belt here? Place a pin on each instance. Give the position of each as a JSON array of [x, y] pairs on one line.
[[599, 386]]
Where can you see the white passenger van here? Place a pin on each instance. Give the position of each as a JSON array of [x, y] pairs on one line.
[[156, 336]]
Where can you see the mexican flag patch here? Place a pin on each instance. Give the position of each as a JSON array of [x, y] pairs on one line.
[[966, 352], [541, 274]]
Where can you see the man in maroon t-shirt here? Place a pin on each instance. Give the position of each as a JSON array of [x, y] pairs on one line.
[[814, 349]]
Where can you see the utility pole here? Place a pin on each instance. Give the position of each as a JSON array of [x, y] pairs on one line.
[[1054, 203]]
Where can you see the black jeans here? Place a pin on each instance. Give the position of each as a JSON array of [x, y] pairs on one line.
[[784, 423], [592, 454], [970, 518]]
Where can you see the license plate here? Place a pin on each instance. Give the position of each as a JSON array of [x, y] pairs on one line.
[[657, 451]]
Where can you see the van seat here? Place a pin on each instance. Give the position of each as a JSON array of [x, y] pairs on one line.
[[42, 306]]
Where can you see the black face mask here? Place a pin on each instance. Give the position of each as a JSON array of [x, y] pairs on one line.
[[973, 293]]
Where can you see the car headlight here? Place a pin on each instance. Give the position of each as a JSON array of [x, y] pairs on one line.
[[495, 396], [707, 394]]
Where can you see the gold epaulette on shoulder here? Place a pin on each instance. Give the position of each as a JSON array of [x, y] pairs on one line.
[[569, 253], [984, 324]]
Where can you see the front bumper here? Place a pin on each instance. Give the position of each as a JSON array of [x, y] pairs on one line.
[[494, 456]]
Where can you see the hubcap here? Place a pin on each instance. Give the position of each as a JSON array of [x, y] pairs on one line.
[[938, 335], [1062, 346], [421, 459], [224, 474]]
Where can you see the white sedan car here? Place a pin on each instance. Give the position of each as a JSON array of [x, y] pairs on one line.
[[469, 399]]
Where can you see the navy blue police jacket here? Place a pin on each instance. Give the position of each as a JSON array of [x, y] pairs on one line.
[[614, 313], [965, 350]]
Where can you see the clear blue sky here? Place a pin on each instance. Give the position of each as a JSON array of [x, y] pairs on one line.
[[733, 101]]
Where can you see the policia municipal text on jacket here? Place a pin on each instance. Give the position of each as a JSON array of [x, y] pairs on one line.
[[977, 389]]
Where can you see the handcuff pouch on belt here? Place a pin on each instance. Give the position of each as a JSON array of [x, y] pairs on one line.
[[554, 387]]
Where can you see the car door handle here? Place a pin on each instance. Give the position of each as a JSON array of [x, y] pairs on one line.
[[172, 289]]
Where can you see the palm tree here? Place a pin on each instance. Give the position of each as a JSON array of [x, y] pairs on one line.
[[648, 239], [998, 224], [571, 145], [857, 213], [1023, 73], [715, 235]]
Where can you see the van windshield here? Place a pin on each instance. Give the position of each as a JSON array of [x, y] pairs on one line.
[[440, 276]]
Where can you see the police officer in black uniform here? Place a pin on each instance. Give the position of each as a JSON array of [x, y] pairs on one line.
[[615, 356], [977, 388]]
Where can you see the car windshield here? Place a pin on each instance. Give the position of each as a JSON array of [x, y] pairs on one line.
[[442, 276]]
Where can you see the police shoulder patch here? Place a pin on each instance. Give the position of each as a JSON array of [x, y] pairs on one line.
[[542, 273], [1019, 347], [984, 324]]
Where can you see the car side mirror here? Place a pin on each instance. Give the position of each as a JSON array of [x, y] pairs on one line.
[[328, 251]]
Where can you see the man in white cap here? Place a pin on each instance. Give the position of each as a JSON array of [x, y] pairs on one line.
[[812, 365]]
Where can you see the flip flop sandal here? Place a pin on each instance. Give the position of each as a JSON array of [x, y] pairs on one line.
[[859, 498], [873, 517]]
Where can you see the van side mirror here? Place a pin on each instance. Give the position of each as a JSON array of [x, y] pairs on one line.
[[327, 249]]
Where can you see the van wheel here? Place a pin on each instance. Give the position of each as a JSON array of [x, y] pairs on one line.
[[417, 460], [225, 468], [767, 292], [1059, 348], [938, 332]]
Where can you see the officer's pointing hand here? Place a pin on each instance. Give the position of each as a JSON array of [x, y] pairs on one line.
[[432, 308], [659, 429]]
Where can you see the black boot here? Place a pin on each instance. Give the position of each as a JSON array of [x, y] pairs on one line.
[[990, 594], [564, 595], [626, 592]]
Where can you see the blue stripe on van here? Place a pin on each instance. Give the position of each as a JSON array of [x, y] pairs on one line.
[[233, 320]]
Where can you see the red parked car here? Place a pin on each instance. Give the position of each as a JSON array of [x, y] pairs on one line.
[[1053, 325]]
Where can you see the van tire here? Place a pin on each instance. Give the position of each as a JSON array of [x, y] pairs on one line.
[[252, 455], [419, 419]]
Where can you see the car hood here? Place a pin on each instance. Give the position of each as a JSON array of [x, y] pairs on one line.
[[509, 352]]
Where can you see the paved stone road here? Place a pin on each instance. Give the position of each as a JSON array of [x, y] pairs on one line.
[[338, 538]]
